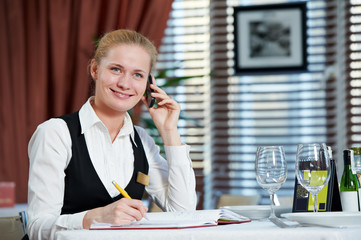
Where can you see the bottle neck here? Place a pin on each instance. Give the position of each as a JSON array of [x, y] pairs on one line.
[[347, 157], [347, 167]]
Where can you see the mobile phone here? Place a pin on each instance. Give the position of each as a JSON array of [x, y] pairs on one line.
[[148, 91]]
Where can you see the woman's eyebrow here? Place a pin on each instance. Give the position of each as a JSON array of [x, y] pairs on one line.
[[121, 66], [116, 64]]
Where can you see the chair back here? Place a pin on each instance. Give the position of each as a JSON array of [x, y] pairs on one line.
[[235, 200], [11, 228]]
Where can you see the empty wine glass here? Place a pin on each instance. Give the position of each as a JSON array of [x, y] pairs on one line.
[[271, 171], [313, 168]]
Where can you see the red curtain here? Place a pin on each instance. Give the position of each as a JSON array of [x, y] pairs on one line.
[[44, 53]]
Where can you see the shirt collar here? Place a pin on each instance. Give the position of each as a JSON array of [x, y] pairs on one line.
[[88, 118]]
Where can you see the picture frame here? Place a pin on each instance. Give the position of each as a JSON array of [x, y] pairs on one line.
[[270, 38]]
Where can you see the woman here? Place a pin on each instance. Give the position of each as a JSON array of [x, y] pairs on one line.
[[75, 158]]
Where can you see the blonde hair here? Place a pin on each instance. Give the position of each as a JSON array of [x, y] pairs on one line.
[[128, 37]]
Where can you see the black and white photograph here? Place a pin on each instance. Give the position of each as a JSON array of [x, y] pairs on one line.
[[270, 38]]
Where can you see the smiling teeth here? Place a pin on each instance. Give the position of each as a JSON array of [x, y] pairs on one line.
[[122, 95]]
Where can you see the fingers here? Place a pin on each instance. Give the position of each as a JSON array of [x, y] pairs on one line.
[[125, 211], [138, 209], [157, 89], [162, 98], [133, 208], [169, 102]]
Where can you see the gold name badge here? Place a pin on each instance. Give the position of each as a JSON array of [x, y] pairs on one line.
[[143, 179]]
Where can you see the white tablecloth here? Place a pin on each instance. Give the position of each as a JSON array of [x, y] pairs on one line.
[[262, 230]]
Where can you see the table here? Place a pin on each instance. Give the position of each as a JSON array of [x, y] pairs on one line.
[[263, 230]]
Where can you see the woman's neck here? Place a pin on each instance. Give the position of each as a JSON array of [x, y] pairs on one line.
[[112, 120]]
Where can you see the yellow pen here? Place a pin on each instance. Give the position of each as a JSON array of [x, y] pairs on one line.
[[121, 190]]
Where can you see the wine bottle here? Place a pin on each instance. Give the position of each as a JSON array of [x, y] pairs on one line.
[[348, 185], [356, 165], [333, 195]]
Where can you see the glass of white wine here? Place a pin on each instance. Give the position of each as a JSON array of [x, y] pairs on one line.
[[271, 171], [313, 168]]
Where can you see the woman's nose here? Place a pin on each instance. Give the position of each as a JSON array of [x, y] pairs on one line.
[[124, 81]]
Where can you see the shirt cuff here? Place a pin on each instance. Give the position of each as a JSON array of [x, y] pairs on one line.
[[72, 221], [176, 155]]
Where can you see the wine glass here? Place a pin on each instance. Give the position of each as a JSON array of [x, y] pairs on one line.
[[271, 171], [313, 168]]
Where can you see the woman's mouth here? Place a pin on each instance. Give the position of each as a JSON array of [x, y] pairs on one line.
[[121, 94]]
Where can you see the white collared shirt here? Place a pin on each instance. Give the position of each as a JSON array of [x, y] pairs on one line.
[[50, 153]]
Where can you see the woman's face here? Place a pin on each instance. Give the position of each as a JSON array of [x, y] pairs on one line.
[[121, 77]]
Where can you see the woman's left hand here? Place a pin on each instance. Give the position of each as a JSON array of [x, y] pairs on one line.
[[165, 116]]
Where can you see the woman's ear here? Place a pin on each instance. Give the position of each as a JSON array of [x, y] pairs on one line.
[[94, 69]]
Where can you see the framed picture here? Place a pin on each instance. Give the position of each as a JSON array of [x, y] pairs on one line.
[[270, 38]]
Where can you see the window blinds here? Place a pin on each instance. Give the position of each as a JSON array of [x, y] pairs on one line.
[[275, 109], [352, 71], [225, 117]]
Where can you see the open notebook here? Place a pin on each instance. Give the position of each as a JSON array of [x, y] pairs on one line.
[[176, 220]]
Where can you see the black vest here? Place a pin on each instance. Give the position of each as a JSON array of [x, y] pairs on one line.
[[83, 187]]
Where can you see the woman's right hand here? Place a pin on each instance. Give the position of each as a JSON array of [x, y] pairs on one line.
[[123, 211]]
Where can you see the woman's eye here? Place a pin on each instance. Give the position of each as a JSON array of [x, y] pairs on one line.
[[115, 69], [138, 75]]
